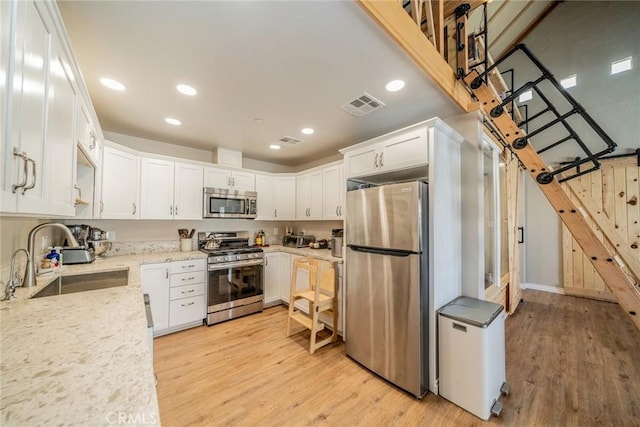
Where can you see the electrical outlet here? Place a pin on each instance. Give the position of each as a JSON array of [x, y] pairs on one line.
[[44, 243], [275, 231]]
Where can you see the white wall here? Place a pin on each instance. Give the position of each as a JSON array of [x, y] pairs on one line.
[[583, 38]]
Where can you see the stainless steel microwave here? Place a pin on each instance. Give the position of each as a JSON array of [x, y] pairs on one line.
[[222, 203]]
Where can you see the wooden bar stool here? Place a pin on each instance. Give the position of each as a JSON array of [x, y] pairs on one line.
[[321, 297]]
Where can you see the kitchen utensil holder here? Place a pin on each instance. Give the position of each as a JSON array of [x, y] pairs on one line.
[[186, 245]]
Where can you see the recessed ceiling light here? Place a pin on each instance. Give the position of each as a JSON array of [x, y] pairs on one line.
[[394, 85], [186, 89], [570, 81], [173, 121], [307, 131], [526, 96], [274, 146], [621, 65], [112, 84]]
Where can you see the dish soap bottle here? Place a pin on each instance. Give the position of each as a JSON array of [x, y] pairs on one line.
[[258, 238]]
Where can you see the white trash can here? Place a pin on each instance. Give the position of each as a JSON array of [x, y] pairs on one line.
[[471, 355]]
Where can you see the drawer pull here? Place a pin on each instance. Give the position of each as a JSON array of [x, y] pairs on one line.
[[188, 292], [186, 305], [188, 278], [188, 266]]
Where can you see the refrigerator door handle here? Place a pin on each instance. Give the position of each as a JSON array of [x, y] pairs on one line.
[[382, 251]]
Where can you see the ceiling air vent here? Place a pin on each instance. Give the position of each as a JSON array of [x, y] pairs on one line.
[[362, 105], [290, 140]]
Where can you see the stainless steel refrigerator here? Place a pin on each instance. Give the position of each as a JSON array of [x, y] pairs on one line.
[[387, 282]]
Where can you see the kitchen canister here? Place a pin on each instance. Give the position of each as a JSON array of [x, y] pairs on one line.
[[186, 245]]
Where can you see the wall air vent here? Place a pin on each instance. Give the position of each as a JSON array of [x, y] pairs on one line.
[[290, 140], [362, 105]]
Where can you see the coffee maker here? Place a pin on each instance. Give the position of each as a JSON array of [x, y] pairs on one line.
[[83, 254]]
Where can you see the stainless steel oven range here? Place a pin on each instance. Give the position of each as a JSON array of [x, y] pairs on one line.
[[235, 286]]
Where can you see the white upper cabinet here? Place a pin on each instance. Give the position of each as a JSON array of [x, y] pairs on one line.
[[120, 184], [284, 197], [406, 148], [28, 52], [170, 190], [229, 158], [61, 147], [309, 195], [188, 191], [229, 180], [334, 189], [264, 189], [86, 134]]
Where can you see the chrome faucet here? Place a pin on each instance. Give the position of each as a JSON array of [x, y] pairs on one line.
[[11, 285], [30, 273]]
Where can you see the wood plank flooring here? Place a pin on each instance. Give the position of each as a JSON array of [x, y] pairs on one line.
[[570, 362]]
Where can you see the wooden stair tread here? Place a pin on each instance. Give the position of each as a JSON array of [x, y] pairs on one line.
[[303, 319], [310, 296]]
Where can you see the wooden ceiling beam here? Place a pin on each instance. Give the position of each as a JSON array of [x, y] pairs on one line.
[[397, 23], [451, 5], [552, 5]]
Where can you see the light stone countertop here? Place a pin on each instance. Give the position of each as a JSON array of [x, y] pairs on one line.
[[323, 254], [81, 358]]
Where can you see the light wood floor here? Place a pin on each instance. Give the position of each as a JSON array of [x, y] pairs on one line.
[[570, 362]]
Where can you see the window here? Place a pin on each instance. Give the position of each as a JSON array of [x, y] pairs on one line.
[[491, 215], [526, 96], [568, 82], [621, 65]]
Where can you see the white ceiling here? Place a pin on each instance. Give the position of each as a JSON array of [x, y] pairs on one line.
[[290, 63]]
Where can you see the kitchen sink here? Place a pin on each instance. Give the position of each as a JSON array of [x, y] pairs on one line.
[[84, 282]]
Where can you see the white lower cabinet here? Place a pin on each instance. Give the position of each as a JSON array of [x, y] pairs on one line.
[[272, 278], [177, 291]]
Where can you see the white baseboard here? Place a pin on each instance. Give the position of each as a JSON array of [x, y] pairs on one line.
[[544, 288]]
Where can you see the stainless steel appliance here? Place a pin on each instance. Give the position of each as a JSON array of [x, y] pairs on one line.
[[337, 235], [84, 253], [387, 283], [222, 203], [235, 276], [298, 240]]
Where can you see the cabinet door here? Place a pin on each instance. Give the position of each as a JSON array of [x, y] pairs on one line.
[[217, 178], [264, 188], [285, 276], [333, 194], [61, 147], [32, 48], [156, 189], [155, 282], [243, 181], [362, 162], [9, 168], [315, 195], [272, 278], [119, 184], [408, 149], [187, 196], [186, 310], [284, 195], [302, 196]]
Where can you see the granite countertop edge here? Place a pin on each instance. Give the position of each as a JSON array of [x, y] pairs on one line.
[[82, 358]]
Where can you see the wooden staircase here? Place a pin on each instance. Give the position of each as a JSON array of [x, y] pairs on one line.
[[627, 294]]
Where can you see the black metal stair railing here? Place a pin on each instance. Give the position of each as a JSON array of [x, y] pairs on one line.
[[547, 87]]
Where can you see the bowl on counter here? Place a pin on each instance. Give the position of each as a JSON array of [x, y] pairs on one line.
[[100, 246]]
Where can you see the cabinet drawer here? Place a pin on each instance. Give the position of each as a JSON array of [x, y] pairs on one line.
[[187, 278], [186, 291], [188, 266], [186, 310]]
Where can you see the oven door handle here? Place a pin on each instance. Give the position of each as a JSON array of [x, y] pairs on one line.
[[234, 264]]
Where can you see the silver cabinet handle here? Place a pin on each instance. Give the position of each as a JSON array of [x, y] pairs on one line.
[[266, 262], [375, 162], [188, 292], [188, 278], [92, 146], [275, 213], [189, 266], [33, 183], [233, 181], [337, 210], [134, 209], [381, 159], [171, 210], [166, 273], [101, 206], [186, 305], [25, 160], [175, 211], [340, 210], [75, 202]]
